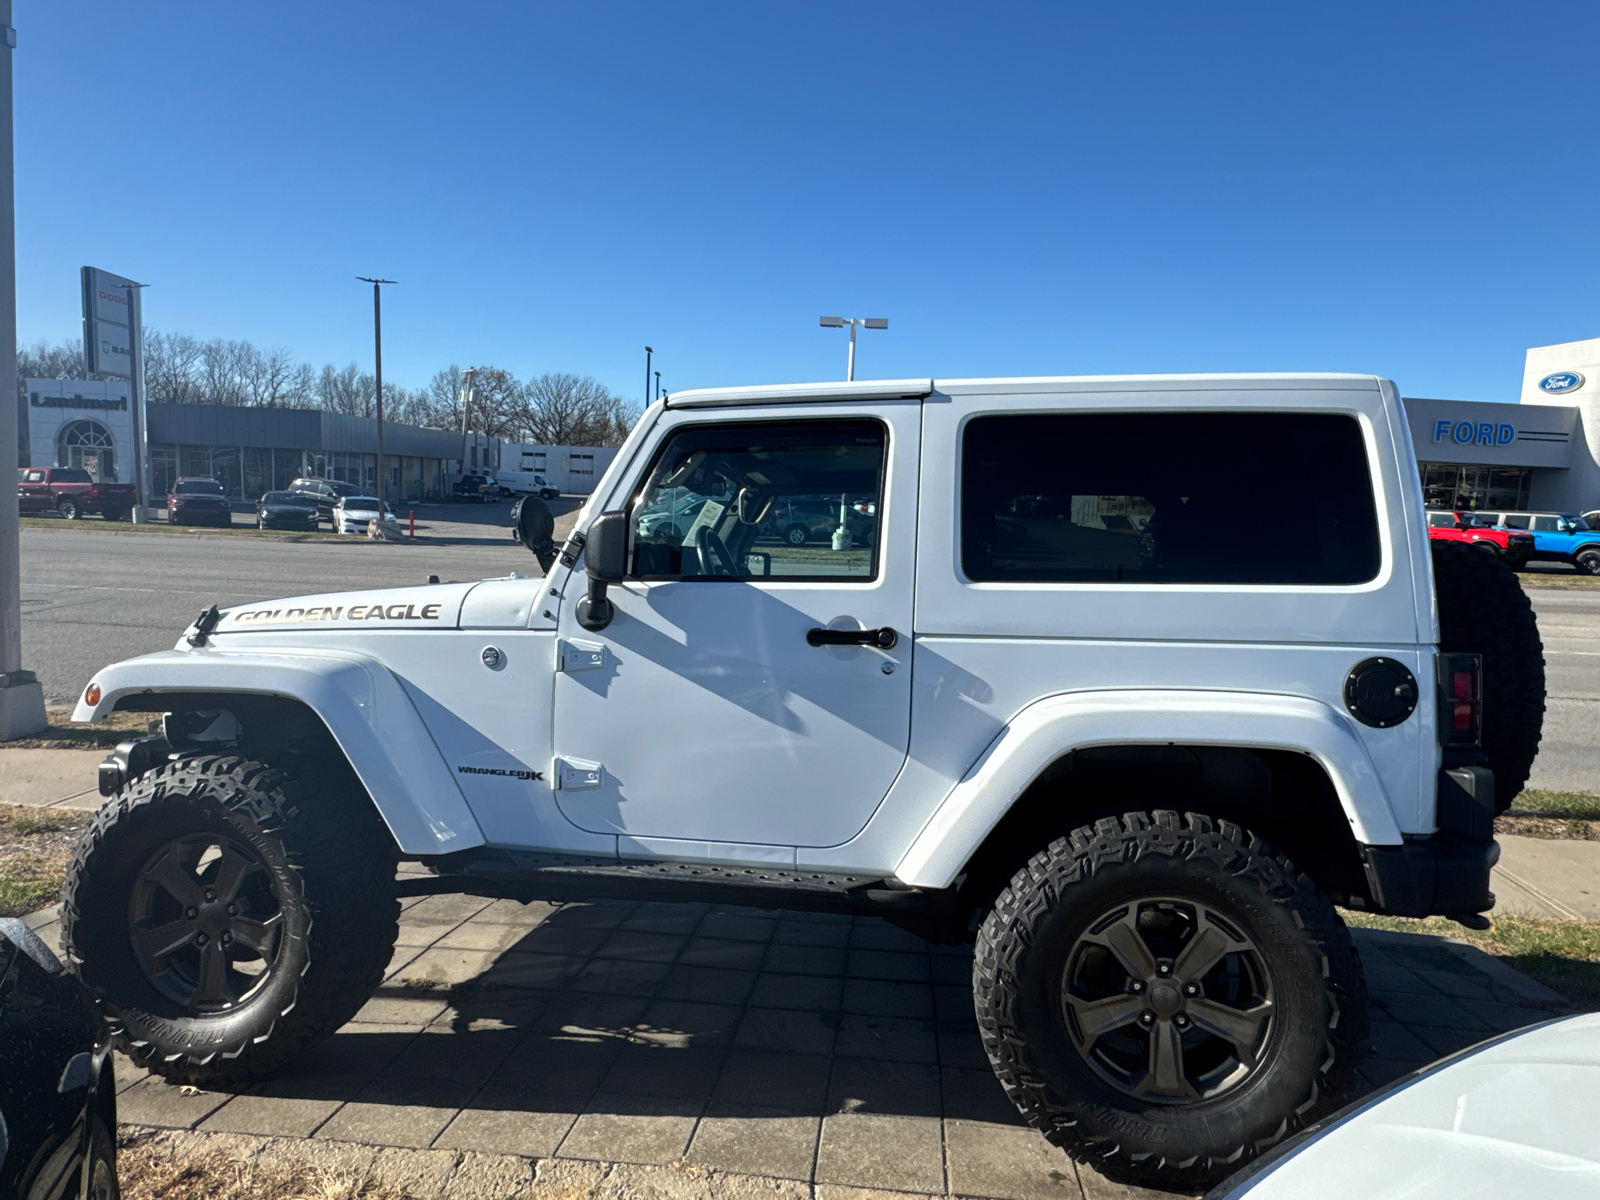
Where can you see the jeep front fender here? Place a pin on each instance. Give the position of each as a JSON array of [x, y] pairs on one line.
[[364, 707], [1049, 728]]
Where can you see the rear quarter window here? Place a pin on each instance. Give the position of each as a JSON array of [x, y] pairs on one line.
[[1168, 498]]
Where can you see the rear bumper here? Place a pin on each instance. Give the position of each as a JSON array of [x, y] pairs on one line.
[[1446, 874]]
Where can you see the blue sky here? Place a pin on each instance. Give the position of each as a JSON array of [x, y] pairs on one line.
[[1406, 189]]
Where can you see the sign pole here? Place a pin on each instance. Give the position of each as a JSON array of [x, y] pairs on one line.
[[141, 433], [21, 697]]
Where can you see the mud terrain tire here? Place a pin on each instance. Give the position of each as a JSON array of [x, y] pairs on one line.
[[1483, 610], [1139, 871], [213, 851]]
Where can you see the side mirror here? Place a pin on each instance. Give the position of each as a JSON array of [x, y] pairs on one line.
[[605, 559]]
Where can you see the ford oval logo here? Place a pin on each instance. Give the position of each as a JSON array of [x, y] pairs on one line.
[[1561, 381]]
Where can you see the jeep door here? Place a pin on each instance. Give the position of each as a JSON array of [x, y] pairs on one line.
[[706, 714]]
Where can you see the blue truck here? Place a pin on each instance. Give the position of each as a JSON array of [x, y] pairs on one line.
[[1557, 537]]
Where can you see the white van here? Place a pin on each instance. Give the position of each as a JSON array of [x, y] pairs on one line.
[[526, 483]]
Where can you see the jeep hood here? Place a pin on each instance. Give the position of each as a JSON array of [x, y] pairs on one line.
[[486, 604]]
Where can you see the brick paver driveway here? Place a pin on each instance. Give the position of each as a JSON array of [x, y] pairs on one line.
[[835, 1051]]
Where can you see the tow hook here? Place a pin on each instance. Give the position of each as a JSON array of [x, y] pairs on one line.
[[203, 625]]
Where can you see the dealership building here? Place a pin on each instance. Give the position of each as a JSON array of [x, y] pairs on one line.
[[1542, 453], [88, 423]]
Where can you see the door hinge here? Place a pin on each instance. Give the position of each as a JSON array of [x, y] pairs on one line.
[[575, 775], [576, 655]]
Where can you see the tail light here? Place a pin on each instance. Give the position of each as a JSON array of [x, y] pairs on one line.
[[1460, 686]]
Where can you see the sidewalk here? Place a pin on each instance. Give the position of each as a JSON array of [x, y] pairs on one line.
[[790, 1054], [1547, 878], [51, 777]]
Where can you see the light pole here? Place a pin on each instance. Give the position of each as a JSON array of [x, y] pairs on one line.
[[21, 697], [377, 355], [853, 322], [647, 353]]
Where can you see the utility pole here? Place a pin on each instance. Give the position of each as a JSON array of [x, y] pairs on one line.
[[377, 355], [647, 353], [21, 697], [468, 377]]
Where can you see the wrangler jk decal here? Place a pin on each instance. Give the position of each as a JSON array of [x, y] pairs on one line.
[[513, 773]]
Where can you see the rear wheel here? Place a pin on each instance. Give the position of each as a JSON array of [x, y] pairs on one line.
[[228, 914], [1165, 997], [1483, 610], [68, 508], [796, 535]]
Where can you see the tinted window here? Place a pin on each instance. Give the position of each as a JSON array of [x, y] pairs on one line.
[[70, 475], [1235, 498], [790, 500], [1442, 520], [198, 487], [288, 498]]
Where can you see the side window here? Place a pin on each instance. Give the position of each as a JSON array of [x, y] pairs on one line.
[[1441, 520], [1231, 498], [35, 476], [1544, 524], [1516, 520], [793, 500]]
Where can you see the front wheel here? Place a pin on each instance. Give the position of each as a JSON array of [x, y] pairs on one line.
[[1589, 561], [68, 508], [796, 535], [1165, 997], [229, 914]]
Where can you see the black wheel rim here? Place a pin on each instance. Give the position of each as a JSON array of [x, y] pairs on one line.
[[205, 922], [1168, 1001]]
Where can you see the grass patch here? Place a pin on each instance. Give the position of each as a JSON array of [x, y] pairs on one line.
[[1558, 579], [148, 1169], [62, 734], [1567, 806], [1562, 955], [35, 847]]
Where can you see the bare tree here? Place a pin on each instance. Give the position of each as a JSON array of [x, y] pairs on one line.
[[346, 390], [568, 410], [171, 362], [50, 360]]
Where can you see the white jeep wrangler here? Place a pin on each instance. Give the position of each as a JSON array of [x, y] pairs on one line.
[[1046, 687]]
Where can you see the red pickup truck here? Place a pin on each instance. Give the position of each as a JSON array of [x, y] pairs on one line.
[[71, 492], [1513, 545]]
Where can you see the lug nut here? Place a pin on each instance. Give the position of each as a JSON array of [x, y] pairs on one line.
[[1181, 1021], [1164, 968], [233, 910], [1136, 986], [201, 939], [191, 913], [1147, 1017], [210, 895], [227, 938]]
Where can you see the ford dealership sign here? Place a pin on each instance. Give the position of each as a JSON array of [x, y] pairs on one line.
[[1560, 382]]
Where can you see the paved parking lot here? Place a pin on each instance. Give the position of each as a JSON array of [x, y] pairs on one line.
[[829, 1051]]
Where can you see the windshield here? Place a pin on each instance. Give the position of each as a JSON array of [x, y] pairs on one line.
[[361, 502], [288, 498], [1577, 524], [197, 487]]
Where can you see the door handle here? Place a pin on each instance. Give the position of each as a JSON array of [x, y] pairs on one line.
[[883, 639]]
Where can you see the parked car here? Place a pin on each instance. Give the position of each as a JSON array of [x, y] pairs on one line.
[[1141, 786], [287, 510], [1557, 537], [805, 519], [669, 517], [1471, 528], [479, 488], [529, 483], [198, 501], [1513, 1118], [58, 1095], [328, 493], [354, 513], [72, 492]]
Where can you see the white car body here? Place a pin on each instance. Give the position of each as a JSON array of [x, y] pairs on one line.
[[1516, 1118], [527, 483], [354, 513], [701, 727]]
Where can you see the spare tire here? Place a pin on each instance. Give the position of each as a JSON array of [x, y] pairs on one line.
[[1483, 610]]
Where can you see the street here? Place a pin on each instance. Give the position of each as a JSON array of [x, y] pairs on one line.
[[92, 597]]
